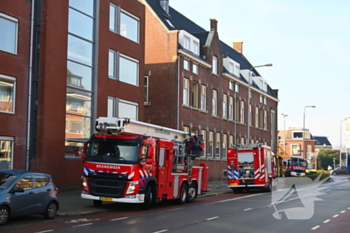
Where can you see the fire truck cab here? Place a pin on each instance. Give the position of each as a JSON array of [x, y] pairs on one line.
[[135, 162], [250, 166]]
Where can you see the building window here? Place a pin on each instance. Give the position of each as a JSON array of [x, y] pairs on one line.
[[231, 68], [217, 145], [261, 118], [128, 70], [186, 65], [210, 144], [257, 117], [7, 93], [127, 109], [230, 85], [224, 106], [204, 138], [236, 70], [265, 101], [215, 65], [224, 146], [112, 64], [231, 141], [242, 112], [186, 91], [124, 23], [297, 134], [195, 68], [9, 33], [111, 107], [295, 149], [261, 99], [204, 97], [215, 103], [186, 129], [195, 48], [230, 109], [187, 42], [238, 111], [194, 95], [250, 115], [265, 119], [146, 90], [236, 88], [6, 153]]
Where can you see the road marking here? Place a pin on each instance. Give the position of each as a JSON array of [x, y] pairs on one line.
[[209, 219], [44, 231], [343, 211], [314, 228], [161, 231], [237, 198], [248, 209], [335, 215], [116, 219], [83, 225], [326, 221]]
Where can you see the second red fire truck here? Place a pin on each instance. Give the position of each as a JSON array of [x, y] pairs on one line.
[[135, 162], [250, 166]]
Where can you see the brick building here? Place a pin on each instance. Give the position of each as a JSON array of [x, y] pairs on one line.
[[196, 82], [79, 60]]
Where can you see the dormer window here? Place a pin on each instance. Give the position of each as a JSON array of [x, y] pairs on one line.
[[189, 42], [232, 66], [195, 47]]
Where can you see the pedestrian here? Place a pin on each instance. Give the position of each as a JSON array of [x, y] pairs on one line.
[[283, 170], [329, 167]]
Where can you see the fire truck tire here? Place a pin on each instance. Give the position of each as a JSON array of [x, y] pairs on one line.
[[183, 193], [192, 193], [237, 190], [148, 198], [97, 203], [269, 186]]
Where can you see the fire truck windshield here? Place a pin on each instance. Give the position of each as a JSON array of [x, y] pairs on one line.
[[114, 151], [299, 162]]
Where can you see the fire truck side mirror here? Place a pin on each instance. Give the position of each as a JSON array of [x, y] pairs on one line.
[[83, 156]]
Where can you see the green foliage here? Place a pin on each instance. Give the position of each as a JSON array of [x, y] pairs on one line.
[[325, 158]]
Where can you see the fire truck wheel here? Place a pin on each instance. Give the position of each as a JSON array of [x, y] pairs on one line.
[[192, 193], [97, 203], [183, 193], [269, 186], [148, 198]]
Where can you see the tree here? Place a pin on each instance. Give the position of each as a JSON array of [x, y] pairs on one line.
[[325, 158]]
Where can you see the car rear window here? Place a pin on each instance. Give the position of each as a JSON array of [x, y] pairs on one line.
[[41, 181]]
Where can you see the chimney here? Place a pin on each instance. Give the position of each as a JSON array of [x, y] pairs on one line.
[[213, 25], [165, 5], [238, 46]]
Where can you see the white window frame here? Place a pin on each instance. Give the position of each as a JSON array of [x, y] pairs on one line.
[[230, 108], [11, 157], [218, 145], [186, 64], [195, 46], [211, 140], [186, 92], [214, 111], [203, 97], [146, 89], [194, 68], [111, 107], [236, 88], [12, 80], [242, 112], [224, 146], [14, 20], [137, 71], [215, 65], [224, 106], [187, 43], [128, 103]]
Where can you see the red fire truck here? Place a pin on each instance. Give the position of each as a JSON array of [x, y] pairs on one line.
[[295, 166], [135, 162], [250, 166]]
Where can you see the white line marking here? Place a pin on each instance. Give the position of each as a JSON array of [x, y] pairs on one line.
[[326, 221], [44, 231], [83, 225], [335, 215], [209, 219], [116, 219], [161, 231], [248, 209], [314, 228], [237, 198], [343, 211]]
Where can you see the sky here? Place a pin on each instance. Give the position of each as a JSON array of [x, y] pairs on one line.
[[308, 43]]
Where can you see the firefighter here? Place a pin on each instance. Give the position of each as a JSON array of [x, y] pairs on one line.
[[283, 170]]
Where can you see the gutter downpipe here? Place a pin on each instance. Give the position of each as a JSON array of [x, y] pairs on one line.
[[30, 85], [178, 94]]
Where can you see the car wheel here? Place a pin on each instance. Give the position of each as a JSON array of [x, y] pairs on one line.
[[183, 193], [192, 193], [148, 198], [97, 203], [4, 214], [51, 210]]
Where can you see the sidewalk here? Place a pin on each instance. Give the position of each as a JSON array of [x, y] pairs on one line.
[[71, 204]]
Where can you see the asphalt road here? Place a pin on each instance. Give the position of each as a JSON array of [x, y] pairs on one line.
[[316, 208]]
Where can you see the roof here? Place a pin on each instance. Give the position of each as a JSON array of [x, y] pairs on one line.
[[321, 141], [180, 22]]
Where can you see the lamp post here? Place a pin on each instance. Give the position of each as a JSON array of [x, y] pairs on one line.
[[284, 131], [248, 101], [304, 129], [341, 146]]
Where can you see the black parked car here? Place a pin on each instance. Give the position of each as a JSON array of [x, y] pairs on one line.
[[24, 192], [339, 171]]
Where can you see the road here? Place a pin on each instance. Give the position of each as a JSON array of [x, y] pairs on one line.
[[324, 208]]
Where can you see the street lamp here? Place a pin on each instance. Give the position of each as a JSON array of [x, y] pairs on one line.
[[284, 131], [249, 113], [341, 147], [304, 129]]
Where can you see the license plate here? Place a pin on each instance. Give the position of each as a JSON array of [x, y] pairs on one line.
[[106, 199]]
